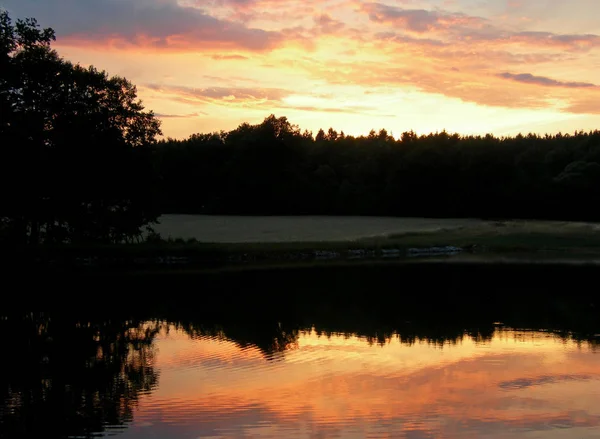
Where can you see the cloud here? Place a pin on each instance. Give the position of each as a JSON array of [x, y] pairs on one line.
[[256, 98], [355, 109], [419, 20], [180, 116], [528, 78], [393, 37], [222, 95], [587, 105], [274, 11], [466, 54], [462, 28], [549, 39], [154, 23], [327, 25], [229, 57]]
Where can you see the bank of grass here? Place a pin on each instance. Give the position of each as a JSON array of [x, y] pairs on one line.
[[509, 237], [500, 236], [527, 239]]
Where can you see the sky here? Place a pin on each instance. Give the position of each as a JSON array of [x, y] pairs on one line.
[[466, 66]]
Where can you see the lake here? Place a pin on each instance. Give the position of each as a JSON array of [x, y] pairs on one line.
[[337, 352]]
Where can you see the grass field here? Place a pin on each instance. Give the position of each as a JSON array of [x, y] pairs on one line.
[[290, 232], [271, 229], [296, 238]]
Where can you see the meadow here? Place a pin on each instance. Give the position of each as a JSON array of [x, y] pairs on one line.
[[272, 229], [380, 232]]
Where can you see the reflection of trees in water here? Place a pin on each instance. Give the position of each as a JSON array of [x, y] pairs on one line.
[[436, 303], [67, 377], [274, 338]]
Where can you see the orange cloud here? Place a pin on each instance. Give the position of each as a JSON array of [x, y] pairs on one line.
[[586, 105], [220, 95], [229, 57], [266, 98], [182, 116], [528, 78], [419, 20], [328, 25]]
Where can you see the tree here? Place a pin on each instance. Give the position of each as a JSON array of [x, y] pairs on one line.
[[75, 145]]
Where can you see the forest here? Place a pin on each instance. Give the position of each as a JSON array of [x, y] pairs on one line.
[[84, 161], [274, 168]]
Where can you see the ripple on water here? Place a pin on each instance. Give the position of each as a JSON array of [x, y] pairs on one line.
[[513, 384]]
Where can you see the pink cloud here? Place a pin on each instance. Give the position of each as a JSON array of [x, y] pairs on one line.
[[418, 20], [528, 78], [459, 27], [155, 24]]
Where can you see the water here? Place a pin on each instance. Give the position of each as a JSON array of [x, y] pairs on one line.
[[337, 352], [160, 379], [516, 384]]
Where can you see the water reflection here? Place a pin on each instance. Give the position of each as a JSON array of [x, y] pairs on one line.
[[343, 386], [166, 378], [66, 377]]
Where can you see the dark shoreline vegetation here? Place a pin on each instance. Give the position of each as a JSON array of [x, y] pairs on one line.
[[84, 175]]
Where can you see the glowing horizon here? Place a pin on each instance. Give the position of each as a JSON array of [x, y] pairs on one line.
[[500, 66]]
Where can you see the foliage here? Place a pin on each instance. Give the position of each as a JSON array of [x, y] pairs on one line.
[[76, 163], [273, 168]]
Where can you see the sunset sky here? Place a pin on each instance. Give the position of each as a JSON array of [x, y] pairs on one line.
[[467, 66]]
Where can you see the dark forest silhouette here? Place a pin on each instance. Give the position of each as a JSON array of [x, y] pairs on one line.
[[274, 168], [82, 162]]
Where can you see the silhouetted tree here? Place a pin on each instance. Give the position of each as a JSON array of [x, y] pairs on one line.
[[76, 164]]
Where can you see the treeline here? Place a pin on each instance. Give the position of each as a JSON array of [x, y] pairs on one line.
[[274, 168]]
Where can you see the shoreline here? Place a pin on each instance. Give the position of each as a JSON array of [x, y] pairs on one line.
[[490, 242]]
